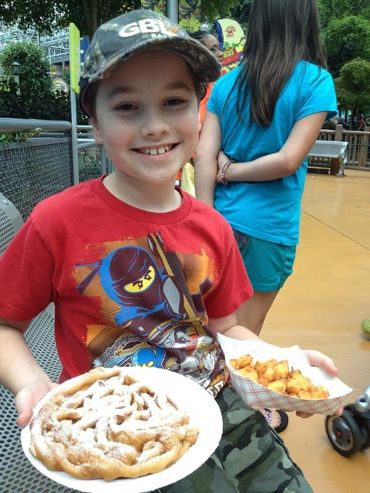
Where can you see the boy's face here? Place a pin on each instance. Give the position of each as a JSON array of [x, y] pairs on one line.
[[146, 115]]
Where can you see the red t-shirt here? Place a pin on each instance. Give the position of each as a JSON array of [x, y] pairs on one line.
[[130, 287]]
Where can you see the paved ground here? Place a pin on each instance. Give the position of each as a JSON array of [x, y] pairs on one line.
[[322, 306]]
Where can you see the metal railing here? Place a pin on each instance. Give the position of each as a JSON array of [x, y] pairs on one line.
[[358, 151], [41, 166]]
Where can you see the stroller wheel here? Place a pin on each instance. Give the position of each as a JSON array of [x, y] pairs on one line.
[[344, 433]]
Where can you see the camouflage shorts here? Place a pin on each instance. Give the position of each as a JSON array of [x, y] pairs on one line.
[[251, 458]]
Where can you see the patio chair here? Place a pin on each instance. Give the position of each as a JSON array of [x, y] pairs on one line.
[[16, 472]]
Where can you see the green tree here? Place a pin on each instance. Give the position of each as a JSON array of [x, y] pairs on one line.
[[240, 12], [218, 9], [353, 86], [335, 9], [345, 39], [35, 84], [47, 15], [35, 97]]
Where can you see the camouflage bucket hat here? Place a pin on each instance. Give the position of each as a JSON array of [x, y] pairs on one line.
[[127, 34]]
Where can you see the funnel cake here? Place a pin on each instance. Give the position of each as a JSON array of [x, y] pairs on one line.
[[105, 424]]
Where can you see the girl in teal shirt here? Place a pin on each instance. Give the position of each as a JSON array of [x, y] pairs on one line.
[[262, 120]]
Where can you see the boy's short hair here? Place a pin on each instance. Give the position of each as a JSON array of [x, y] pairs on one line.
[[136, 31]]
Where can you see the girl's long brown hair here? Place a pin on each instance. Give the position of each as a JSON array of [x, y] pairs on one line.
[[280, 34]]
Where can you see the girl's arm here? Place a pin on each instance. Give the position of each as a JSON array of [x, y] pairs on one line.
[[205, 161], [279, 164]]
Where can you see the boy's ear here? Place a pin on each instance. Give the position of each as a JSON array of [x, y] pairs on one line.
[[97, 134]]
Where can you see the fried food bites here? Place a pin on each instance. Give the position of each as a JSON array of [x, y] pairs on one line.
[[277, 370], [249, 373], [276, 376], [296, 382], [319, 392], [241, 362], [277, 386]]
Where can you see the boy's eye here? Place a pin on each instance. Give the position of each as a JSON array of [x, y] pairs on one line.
[[125, 107], [175, 101]]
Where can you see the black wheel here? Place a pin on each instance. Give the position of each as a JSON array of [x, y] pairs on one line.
[[344, 433]]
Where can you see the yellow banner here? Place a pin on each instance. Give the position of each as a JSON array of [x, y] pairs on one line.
[[74, 57], [232, 38]]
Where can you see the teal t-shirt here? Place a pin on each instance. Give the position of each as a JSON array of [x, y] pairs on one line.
[[268, 210]]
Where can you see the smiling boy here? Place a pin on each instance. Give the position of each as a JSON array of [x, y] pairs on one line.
[[140, 272], [149, 126]]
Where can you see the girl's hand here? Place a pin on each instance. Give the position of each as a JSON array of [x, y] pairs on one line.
[[315, 358], [28, 397], [221, 160]]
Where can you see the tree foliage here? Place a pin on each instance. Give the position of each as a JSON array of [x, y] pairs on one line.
[[34, 91], [47, 15], [335, 9], [353, 86], [34, 96], [218, 9], [346, 38], [346, 32]]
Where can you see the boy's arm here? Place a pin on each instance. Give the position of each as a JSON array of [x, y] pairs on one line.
[[228, 326], [19, 371], [205, 160]]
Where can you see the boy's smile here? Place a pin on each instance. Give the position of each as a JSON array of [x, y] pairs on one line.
[[147, 118], [155, 150]]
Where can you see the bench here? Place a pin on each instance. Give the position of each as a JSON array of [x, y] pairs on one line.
[[329, 150]]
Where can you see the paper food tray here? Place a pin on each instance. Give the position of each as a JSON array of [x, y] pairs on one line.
[[257, 396]]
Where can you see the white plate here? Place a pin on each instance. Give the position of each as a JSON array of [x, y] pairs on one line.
[[203, 411]]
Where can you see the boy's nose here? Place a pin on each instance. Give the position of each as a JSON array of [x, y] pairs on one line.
[[154, 124]]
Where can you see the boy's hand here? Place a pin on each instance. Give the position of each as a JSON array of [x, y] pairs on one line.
[[315, 358], [28, 397]]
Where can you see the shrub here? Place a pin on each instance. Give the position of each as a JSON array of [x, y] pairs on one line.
[[37, 97]]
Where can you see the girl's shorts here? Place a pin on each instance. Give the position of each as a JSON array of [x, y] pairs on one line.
[[268, 264]]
